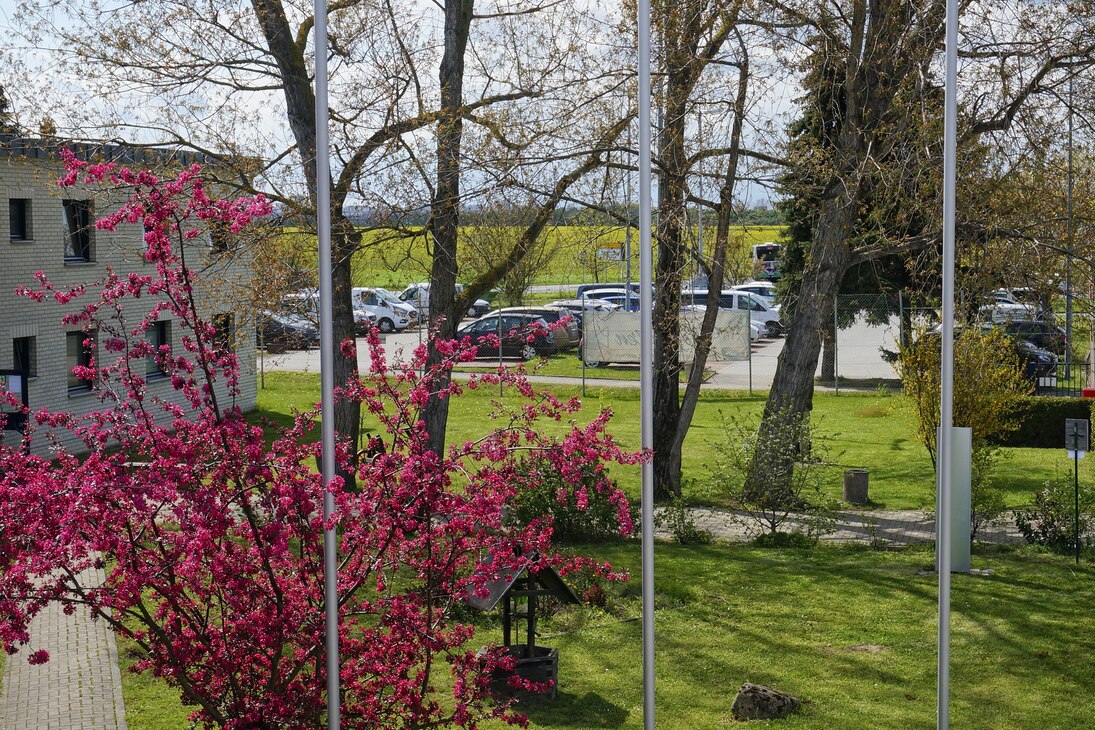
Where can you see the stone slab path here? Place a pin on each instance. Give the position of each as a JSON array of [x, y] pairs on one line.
[[79, 688], [896, 527]]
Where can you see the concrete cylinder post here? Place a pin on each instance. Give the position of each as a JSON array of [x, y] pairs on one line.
[[855, 486]]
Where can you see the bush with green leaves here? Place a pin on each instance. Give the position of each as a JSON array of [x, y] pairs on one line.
[[677, 519], [989, 396], [579, 512], [774, 493], [1051, 522]]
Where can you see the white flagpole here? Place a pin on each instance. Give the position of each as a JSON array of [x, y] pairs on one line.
[[946, 376], [646, 363], [326, 363]]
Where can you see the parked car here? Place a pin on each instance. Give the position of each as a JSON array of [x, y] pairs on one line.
[[418, 296], [765, 290], [1045, 335], [616, 295], [522, 335], [391, 314], [579, 305], [1035, 362], [280, 332], [759, 312], [567, 334], [621, 285], [306, 304]]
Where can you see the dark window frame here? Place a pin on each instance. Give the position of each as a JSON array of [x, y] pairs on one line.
[[158, 334], [19, 219], [83, 356], [24, 355], [225, 332], [79, 220]]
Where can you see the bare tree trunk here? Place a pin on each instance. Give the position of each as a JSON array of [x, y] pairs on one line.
[[672, 252], [717, 270], [445, 208], [792, 391], [300, 104]]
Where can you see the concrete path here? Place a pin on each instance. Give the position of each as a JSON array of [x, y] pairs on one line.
[[79, 688], [894, 527]]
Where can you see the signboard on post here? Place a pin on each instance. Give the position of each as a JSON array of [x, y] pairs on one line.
[[1077, 436], [613, 337]]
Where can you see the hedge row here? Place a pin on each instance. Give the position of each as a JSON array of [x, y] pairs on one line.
[[1043, 421]]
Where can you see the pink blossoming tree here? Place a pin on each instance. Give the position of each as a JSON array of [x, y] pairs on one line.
[[208, 528]]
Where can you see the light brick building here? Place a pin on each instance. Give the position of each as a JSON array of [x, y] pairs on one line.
[[53, 231]]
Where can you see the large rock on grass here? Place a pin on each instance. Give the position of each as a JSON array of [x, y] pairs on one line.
[[757, 702]]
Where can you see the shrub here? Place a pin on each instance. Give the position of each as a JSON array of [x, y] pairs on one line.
[[1051, 523], [1041, 421], [577, 504], [772, 479], [988, 397], [676, 517], [213, 548]]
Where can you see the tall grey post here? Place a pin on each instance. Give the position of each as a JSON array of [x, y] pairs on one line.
[[646, 363], [326, 365], [946, 367]]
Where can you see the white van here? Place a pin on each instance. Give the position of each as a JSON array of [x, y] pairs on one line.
[[418, 296], [392, 315], [766, 290], [759, 312]]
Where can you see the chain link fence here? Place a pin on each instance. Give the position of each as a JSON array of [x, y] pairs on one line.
[[863, 334]]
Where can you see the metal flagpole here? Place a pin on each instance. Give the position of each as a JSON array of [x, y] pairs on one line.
[[646, 363], [946, 367], [326, 364]]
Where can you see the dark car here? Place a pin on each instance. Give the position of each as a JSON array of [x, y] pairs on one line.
[[521, 335], [564, 324], [1035, 361], [1045, 335], [282, 332]]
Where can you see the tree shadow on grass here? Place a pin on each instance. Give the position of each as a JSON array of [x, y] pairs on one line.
[[590, 710]]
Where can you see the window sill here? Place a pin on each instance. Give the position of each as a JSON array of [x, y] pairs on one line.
[[79, 262], [22, 240], [80, 392]]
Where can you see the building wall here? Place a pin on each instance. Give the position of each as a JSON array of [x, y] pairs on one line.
[[33, 178]]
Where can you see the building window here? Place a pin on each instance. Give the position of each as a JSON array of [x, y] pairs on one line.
[[19, 218], [25, 355], [78, 230], [225, 333], [78, 354], [157, 335], [220, 238]]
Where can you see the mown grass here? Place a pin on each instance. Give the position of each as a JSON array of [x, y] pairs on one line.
[[874, 431], [850, 630]]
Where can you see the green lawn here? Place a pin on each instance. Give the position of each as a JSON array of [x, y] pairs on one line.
[[873, 431], [850, 630]]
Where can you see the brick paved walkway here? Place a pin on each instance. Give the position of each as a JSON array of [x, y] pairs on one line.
[[79, 688]]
